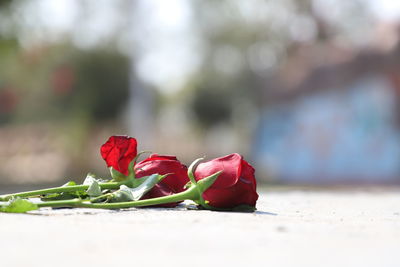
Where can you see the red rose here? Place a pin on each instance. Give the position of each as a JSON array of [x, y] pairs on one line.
[[118, 152], [235, 186], [173, 183]]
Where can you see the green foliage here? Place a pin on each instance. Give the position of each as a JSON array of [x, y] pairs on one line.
[[18, 205], [133, 194], [62, 83], [94, 189], [93, 181], [64, 195], [5, 3], [102, 83], [146, 186], [124, 194], [69, 183]]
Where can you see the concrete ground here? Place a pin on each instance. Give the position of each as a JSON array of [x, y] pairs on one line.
[[290, 228]]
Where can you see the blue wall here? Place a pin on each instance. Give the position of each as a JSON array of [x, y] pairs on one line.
[[346, 134]]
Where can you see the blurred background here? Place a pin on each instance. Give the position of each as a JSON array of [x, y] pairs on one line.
[[307, 90]]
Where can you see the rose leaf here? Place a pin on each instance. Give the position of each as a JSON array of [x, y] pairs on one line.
[[133, 194], [18, 205], [124, 194], [94, 189]]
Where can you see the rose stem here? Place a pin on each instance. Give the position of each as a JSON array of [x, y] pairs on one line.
[[61, 189], [194, 192], [189, 194]]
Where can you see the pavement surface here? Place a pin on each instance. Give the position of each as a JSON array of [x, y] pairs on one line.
[[290, 228]]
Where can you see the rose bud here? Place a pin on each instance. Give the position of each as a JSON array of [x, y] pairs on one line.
[[236, 185], [173, 183], [118, 152]]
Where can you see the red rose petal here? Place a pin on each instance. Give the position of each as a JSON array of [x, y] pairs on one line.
[[234, 187], [230, 165], [118, 152], [160, 164], [240, 194]]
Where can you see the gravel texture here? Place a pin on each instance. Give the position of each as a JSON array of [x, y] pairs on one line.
[[290, 228]]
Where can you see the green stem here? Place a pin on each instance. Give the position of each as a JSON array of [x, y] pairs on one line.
[[100, 197], [192, 193], [61, 189]]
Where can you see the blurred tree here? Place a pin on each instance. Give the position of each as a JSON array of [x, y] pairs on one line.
[[102, 83], [245, 43], [55, 82], [4, 3], [211, 105], [8, 50]]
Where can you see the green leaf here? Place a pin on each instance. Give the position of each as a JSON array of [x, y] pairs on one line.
[[133, 194], [69, 183], [135, 182], [124, 194], [18, 205], [64, 195], [94, 189], [91, 176], [146, 186]]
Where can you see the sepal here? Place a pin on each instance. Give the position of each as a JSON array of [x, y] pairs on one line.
[[117, 176]]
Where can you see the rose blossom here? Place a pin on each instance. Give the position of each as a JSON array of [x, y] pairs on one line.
[[161, 164], [235, 186], [118, 152]]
